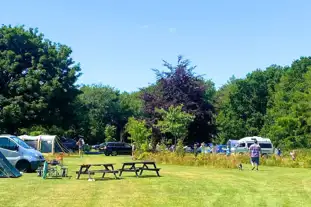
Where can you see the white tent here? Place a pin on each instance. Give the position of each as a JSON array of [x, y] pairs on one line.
[[45, 143]]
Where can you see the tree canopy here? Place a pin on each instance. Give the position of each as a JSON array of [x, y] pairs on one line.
[[39, 94], [37, 80]]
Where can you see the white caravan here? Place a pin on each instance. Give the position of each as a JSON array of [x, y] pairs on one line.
[[243, 145]]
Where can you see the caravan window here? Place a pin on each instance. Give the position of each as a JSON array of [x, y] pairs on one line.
[[265, 145], [241, 144], [5, 143]]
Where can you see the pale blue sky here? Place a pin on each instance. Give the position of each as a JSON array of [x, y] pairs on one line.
[[117, 42]]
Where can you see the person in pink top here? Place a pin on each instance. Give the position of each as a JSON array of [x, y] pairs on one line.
[[254, 152]]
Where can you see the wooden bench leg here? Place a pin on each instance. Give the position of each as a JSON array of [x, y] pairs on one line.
[[158, 173], [121, 171], [115, 175], [141, 172], [90, 177], [103, 175]]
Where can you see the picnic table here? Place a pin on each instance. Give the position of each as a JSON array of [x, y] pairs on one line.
[[107, 168], [139, 166]]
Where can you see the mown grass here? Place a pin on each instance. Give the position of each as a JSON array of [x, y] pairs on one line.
[[178, 186]]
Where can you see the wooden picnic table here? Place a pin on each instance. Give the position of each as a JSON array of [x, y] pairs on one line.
[[143, 166], [108, 168]]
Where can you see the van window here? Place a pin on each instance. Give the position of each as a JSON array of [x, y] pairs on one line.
[[249, 144], [265, 145], [6, 143], [241, 144], [21, 142]]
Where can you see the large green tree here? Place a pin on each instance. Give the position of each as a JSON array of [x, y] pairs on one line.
[[37, 80], [288, 121], [242, 103], [99, 105]]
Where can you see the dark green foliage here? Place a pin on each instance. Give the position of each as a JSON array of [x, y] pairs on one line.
[[100, 105], [289, 118], [37, 80], [242, 103]]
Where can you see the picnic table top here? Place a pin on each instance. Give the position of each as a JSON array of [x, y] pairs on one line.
[[140, 162], [103, 164]]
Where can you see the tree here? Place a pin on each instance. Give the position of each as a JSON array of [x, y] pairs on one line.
[[242, 103], [37, 80], [180, 86], [99, 105], [174, 121], [288, 121], [139, 133], [110, 133]]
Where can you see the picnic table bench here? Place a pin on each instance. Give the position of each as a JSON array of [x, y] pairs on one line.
[[85, 169], [143, 166]]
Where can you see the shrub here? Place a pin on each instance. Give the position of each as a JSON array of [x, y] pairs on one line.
[[223, 161], [110, 133]]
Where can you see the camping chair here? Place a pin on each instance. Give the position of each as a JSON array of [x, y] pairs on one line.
[[53, 169]]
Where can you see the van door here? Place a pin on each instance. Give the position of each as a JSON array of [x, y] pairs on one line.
[[9, 150]]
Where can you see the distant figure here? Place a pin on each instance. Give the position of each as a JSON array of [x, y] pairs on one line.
[[254, 152], [293, 155], [279, 152], [172, 148], [208, 150], [202, 147], [228, 152], [195, 149], [80, 144]]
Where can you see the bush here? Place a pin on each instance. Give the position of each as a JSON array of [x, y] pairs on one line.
[[110, 133], [86, 148], [222, 161]]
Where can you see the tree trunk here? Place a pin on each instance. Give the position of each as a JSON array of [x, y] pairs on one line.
[[121, 135]]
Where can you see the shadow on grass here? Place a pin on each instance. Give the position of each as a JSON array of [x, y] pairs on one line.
[[142, 176], [100, 179]]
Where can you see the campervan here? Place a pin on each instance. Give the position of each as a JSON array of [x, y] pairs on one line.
[[243, 145], [19, 154]]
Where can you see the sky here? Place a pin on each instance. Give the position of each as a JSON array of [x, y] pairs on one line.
[[118, 42]]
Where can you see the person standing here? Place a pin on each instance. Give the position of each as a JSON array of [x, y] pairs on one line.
[[80, 144], [254, 152], [195, 149], [293, 155]]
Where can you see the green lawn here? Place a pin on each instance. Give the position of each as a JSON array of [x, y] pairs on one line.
[[178, 186]]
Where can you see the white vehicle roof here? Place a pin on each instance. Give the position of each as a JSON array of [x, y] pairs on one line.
[[251, 139]]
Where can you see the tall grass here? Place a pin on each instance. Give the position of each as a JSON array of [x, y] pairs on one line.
[[222, 161]]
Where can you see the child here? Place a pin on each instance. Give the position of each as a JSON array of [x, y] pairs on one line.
[[293, 155]]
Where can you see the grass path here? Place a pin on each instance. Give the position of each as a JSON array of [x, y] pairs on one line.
[[178, 186]]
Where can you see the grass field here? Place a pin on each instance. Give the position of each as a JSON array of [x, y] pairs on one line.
[[177, 186]]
